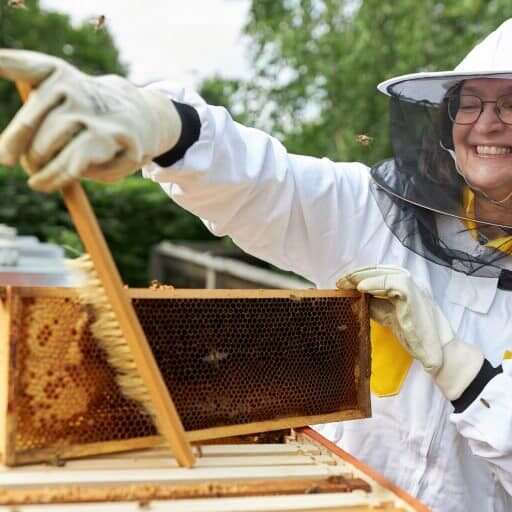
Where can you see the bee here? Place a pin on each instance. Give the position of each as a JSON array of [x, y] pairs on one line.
[[214, 357], [99, 22], [16, 4], [157, 285], [485, 402], [56, 461], [364, 140]]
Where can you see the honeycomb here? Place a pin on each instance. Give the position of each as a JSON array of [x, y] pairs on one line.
[[66, 391], [236, 361], [226, 361]]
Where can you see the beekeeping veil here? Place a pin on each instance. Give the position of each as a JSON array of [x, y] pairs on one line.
[[422, 192]]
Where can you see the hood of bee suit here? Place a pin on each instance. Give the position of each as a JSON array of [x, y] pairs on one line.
[[491, 58], [422, 192]]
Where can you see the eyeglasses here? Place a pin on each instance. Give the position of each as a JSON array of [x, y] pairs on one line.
[[466, 108]]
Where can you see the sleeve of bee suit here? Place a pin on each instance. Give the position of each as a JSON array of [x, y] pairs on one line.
[[487, 424], [300, 213]]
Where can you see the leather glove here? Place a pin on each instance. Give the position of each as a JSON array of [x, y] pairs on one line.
[[401, 305], [77, 125]]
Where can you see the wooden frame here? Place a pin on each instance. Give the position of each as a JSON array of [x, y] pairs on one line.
[[11, 302], [377, 477], [303, 471], [146, 368]]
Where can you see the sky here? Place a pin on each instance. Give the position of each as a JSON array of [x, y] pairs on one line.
[[180, 40]]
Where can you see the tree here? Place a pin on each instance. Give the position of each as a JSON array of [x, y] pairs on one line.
[[134, 214], [228, 93], [93, 51], [316, 64]]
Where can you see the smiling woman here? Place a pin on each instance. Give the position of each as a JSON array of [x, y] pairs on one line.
[[482, 137], [452, 139], [411, 232]]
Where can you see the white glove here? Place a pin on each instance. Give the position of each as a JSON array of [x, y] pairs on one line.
[[77, 125], [399, 304]]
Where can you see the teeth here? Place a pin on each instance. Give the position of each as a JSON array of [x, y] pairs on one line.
[[492, 150]]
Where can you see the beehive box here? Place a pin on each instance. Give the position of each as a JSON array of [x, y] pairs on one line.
[[235, 362], [298, 472]]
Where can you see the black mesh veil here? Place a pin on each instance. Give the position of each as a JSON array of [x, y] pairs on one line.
[[422, 196]]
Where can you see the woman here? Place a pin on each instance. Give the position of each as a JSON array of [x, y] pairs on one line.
[[428, 229]]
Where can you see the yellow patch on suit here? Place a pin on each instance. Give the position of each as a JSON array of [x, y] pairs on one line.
[[502, 243], [390, 361]]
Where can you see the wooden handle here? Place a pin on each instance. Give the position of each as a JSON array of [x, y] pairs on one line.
[[87, 226]]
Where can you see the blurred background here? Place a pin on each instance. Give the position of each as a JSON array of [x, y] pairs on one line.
[[303, 70]]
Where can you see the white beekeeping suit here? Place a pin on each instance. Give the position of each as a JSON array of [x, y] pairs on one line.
[[441, 370]]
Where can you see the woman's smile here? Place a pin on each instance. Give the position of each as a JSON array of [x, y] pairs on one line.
[[484, 147]]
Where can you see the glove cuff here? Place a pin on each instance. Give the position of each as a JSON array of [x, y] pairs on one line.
[[461, 364], [486, 373], [166, 122], [190, 130]]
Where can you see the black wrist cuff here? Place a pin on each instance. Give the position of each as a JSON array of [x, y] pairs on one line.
[[486, 373], [190, 129]]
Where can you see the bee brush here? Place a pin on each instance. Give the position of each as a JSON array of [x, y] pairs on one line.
[[140, 377]]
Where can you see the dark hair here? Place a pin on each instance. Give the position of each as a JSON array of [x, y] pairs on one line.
[[445, 123], [434, 163]]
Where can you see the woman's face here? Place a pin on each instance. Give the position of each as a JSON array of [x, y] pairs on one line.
[[484, 148]]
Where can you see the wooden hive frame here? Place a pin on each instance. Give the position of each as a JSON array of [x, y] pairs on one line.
[[292, 471], [12, 375]]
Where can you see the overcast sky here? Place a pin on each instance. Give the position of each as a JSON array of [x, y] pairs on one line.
[[183, 40]]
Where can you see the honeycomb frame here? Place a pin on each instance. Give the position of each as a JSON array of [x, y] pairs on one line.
[[235, 361]]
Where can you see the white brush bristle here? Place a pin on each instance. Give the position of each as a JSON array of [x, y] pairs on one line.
[[107, 333]]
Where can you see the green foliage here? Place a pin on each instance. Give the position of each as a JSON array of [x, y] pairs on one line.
[[134, 215], [50, 32], [315, 67], [229, 93], [316, 64]]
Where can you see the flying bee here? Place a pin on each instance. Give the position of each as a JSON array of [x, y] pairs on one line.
[[99, 22], [364, 140], [16, 4]]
